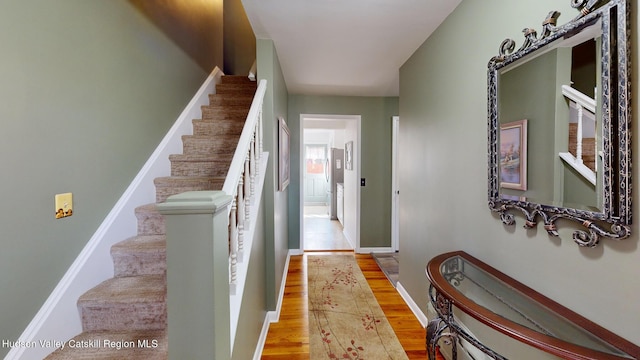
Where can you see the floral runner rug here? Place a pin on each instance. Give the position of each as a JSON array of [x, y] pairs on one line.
[[345, 320]]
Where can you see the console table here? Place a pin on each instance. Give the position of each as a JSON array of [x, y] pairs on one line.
[[459, 280]]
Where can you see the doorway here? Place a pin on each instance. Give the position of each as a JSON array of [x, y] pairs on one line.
[[329, 221]]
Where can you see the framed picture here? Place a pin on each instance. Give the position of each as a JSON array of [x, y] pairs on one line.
[[284, 139], [348, 155], [513, 155]]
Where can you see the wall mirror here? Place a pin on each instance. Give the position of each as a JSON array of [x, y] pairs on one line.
[[559, 137]]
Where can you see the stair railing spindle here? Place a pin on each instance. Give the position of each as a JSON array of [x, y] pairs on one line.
[[579, 134], [252, 164], [247, 190], [241, 219], [260, 133], [233, 245]]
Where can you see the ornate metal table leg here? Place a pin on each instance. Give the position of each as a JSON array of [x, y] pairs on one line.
[[434, 329], [435, 332]]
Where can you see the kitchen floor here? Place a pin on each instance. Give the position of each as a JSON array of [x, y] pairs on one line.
[[322, 233]]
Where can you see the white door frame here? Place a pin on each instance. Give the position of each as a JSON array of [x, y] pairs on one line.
[[395, 187], [331, 120]]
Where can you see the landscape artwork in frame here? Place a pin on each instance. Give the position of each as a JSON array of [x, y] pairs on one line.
[[284, 138], [513, 155]]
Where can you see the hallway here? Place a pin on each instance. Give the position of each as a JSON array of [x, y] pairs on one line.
[[289, 337], [322, 233]]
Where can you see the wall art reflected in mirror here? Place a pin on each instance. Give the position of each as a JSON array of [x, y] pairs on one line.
[[559, 137]]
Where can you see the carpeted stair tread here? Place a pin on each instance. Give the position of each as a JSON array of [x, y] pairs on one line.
[[155, 347], [172, 185], [140, 255], [125, 303], [206, 182], [127, 290]]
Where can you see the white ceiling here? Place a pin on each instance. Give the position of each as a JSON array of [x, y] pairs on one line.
[[345, 47]]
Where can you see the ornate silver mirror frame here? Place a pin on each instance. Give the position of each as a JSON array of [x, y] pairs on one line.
[[614, 216]]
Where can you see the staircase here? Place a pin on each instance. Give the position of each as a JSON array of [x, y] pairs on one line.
[[588, 147], [581, 150], [125, 317]]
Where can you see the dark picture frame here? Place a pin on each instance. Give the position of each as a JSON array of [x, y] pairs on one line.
[[284, 141], [513, 155]]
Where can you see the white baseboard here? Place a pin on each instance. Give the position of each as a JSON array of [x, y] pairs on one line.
[[422, 318], [294, 252], [369, 250], [58, 318], [268, 319], [274, 316]]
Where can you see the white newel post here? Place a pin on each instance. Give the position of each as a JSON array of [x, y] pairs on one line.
[[198, 316]]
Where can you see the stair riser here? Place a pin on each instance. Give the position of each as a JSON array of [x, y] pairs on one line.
[[236, 79], [139, 264], [217, 128], [209, 146], [198, 168], [215, 114], [236, 89], [230, 100], [140, 316], [150, 223]]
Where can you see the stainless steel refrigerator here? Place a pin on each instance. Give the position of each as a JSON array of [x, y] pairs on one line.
[[334, 173]]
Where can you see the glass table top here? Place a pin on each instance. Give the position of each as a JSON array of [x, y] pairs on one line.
[[492, 293]]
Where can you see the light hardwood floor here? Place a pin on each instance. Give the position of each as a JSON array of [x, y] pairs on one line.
[[289, 338], [322, 233]]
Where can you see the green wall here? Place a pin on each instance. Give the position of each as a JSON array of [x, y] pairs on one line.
[[88, 90], [443, 170], [276, 221], [375, 200], [239, 40], [196, 27]]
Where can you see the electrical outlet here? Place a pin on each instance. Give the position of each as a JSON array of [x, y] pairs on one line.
[[64, 205]]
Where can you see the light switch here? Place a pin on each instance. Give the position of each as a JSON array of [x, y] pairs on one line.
[[64, 205]]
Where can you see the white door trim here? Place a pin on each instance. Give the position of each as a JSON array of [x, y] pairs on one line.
[[332, 121], [395, 189]]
